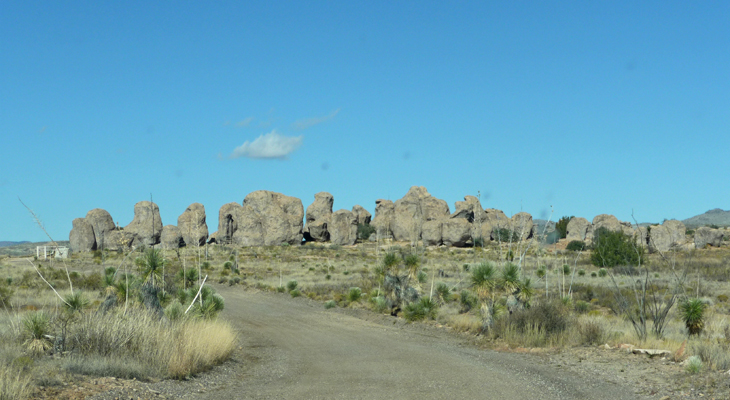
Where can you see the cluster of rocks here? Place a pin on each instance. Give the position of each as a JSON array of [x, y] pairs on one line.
[[671, 234], [268, 218]]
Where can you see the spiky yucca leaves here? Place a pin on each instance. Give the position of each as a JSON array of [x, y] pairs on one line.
[[412, 263], [75, 302], [36, 327], [151, 265], [692, 312], [483, 279]]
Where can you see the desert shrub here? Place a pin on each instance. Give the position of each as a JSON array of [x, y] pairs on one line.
[[694, 365], [615, 248], [505, 235], [364, 231], [379, 304], [467, 300], [550, 317], [14, 384], [420, 310], [592, 332], [443, 292], [562, 226], [330, 304], [576, 245], [291, 285], [354, 294], [582, 307], [692, 314]]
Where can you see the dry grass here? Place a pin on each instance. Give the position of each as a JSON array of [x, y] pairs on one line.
[[14, 384]]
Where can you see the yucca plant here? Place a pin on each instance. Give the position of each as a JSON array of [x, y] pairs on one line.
[[692, 313], [37, 326]]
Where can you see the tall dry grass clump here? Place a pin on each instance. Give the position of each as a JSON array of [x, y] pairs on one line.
[[13, 384], [149, 345], [198, 345]]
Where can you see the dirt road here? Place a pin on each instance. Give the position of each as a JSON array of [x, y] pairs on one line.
[[294, 348]]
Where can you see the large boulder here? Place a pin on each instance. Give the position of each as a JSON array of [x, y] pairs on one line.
[[119, 240], [318, 216], [522, 226], [342, 228], [81, 237], [384, 218], [363, 216], [146, 225], [227, 224], [269, 219], [494, 220], [192, 226], [414, 209], [579, 229], [456, 232], [667, 235], [102, 224], [705, 236], [171, 238]]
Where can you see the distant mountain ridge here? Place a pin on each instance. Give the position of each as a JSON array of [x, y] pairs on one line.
[[715, 216], [8, 243]]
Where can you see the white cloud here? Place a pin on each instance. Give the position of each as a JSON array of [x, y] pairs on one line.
[[270, 145], [310, 122]]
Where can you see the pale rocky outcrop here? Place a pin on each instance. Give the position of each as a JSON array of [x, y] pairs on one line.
[[192, 225], [102, 224], [521, 224], [413, 210], [363, 216], [146, 225], [705, 236], [384, 218], [269, 219], [579, 229], [171, 238], [81, 237], [227, 225], [667, 235], [318, 218], [342, 228]]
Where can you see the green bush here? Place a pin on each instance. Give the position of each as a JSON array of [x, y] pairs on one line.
[[505, 235], [354, 294], [364, 231], [576, 245], [562, 226], [615, 248], [420, 310]]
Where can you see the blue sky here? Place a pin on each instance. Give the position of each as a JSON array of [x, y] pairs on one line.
[[588, 107]]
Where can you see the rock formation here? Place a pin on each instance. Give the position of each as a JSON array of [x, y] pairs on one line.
[[342, 228], [192, 226], [363, 216], [81, 237], [102, 224], [318, 217], [705, 236], [579, 229], [227, 224], [171, 238], [384, 218], [269, 219], [146, 225], [667, 235], [413, 210]]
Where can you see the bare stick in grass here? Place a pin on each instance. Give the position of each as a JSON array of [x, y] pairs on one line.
[[40, 224]]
